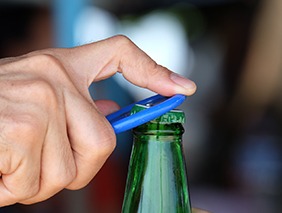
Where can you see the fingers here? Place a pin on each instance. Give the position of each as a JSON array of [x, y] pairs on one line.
[[58, 168], [107, 106], [91, 136], [20, 150], [64, 145], [36, 157], [141, 70], [100, 60], [21, 184]]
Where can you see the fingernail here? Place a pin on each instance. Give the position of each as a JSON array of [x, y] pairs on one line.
[[182, 81]]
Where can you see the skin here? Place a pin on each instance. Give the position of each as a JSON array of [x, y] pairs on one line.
[[52, 134]]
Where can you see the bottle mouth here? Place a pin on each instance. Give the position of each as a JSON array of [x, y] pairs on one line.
[[159, 129], [172, 116]]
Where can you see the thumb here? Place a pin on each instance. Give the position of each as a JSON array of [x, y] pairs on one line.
[[100, 60]]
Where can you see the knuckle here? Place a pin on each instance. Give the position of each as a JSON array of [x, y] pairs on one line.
[[23, 125], [101, 147], [64, 174], [61, 182], [107, 141], [123, 42], [31, 90], [122, 39], [28, 192], [49, 64], [156, 69], [43, 60], [42, 91], [21, 129], [65, 178]]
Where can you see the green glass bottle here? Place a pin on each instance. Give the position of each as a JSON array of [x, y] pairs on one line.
[[157, 180]]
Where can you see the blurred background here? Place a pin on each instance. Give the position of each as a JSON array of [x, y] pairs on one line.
[[232, 49]]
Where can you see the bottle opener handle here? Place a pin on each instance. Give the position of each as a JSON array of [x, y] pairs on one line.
[[122, 121]]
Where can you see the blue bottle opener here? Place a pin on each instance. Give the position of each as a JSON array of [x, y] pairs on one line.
[[122, 121]]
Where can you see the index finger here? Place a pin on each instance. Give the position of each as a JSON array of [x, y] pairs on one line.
[[100, 60]]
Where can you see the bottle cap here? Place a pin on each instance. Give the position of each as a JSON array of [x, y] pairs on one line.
[[172, 116]]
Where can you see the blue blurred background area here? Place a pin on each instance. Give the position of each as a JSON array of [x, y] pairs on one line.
[[232, 49]]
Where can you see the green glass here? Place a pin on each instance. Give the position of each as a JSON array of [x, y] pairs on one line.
[[157, 180]]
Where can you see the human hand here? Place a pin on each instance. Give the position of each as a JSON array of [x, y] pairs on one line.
[[53, 136]]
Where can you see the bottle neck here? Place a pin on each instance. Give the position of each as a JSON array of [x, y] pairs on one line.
[[157, 179]]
